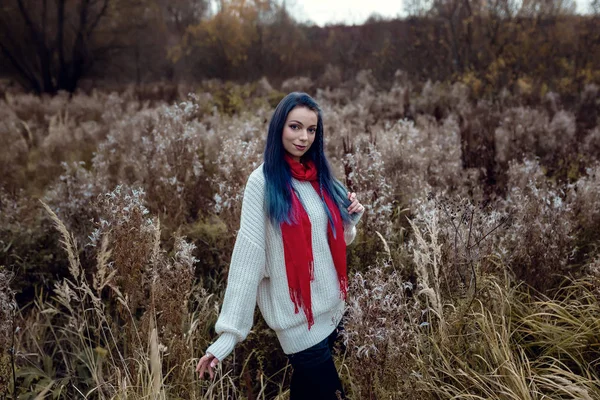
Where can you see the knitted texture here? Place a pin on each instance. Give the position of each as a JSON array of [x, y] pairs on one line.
[[257, 275]]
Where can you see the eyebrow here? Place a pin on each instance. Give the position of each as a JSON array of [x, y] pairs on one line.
[[300, 122]]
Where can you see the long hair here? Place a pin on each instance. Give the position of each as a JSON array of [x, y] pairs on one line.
[[278, 173]]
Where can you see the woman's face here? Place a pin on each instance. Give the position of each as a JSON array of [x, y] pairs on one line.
[[299, 131]]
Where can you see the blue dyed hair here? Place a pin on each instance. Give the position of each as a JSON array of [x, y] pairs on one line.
[[278, 173]]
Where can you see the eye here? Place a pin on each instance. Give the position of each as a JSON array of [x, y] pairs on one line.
[[294, 126], [313, 130]]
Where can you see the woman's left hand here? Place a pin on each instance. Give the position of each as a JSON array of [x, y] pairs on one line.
[[355, 206]]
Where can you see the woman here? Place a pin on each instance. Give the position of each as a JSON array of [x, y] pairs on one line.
[[290, 252]]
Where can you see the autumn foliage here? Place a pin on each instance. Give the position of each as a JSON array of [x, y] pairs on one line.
[[470, 133]]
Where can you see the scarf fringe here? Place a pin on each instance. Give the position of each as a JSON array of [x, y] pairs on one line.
[[344, 288], [296, 299], [298, 303]]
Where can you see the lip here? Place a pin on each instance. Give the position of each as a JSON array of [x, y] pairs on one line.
[[300, 147]]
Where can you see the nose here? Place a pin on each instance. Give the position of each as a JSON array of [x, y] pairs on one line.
[[304, 135]]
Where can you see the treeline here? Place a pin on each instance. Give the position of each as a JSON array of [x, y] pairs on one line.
[[53, 45]]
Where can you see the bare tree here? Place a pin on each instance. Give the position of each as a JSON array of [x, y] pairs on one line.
[[457, 18], [48, 45], [548, 8], [417, 8], [179, 14]]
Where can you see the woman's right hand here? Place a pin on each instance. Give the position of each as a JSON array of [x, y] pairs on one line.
[[208, 361]]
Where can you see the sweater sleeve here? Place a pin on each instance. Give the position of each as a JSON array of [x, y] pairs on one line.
[[246, 269], [350, 227]]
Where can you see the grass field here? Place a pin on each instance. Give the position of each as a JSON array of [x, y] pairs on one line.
[[475, 273]]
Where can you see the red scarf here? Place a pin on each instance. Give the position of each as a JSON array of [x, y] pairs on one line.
[[297, 243]]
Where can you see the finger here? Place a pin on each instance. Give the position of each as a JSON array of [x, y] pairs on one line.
[[200, 363], [206, 363], [201, 372], [210, 371], [357, 207]]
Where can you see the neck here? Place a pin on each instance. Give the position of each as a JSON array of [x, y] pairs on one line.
[[296, 158]]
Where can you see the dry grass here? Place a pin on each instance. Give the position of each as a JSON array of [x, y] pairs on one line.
[[474, 273], [8, 307], [517, 348]]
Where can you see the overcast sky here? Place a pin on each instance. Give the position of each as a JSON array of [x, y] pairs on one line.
[[357, 11], [348, 11]]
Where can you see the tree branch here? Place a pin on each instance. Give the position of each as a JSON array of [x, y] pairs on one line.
[[60, 28], [21, 69], [98, 17], [43, 52]]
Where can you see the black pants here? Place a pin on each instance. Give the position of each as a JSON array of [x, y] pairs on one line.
[[315, 376]]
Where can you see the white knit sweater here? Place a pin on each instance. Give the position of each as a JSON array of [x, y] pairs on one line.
[[257, 274]]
